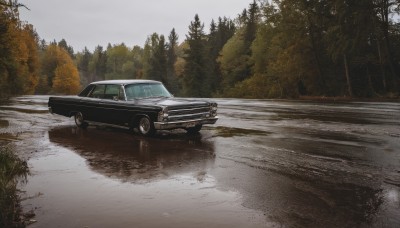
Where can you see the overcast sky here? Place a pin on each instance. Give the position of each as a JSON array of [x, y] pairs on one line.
[[99, 22]]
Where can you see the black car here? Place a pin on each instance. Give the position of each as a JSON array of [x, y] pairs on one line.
[[143, 104]]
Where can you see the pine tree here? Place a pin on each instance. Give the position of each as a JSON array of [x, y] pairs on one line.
[[194, 80], [158, 60], [251, 25], [68, 48], [219, 34], [83, 60], [137, 58], [97, 64], [172, 82]]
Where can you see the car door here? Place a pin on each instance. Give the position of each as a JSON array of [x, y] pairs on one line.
[[113, 105], [91, 104]]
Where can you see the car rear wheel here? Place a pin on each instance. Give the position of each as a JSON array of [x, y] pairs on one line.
[[194, 130], [146, 126], [79, 120]]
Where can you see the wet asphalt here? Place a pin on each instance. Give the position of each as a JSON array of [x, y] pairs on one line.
[[266, 163]]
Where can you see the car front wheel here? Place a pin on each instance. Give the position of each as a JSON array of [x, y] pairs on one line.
[[80, 121], [146, 127]]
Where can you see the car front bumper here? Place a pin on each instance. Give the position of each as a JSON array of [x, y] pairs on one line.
[[184, 124]]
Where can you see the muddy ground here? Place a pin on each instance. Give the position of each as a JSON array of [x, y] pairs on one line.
[[264, 164]]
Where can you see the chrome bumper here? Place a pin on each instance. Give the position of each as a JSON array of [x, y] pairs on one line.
[[183, 124]]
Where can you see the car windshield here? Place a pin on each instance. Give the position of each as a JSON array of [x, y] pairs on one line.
[[146, 90]]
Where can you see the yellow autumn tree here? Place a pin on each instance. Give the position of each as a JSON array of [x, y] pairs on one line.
[[19, 60], [66, 79], [28, 59], [66, 76], [48, 61]]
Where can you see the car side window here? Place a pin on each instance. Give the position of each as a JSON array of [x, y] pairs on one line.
[[98, 92], [86, 91], [111, 91]]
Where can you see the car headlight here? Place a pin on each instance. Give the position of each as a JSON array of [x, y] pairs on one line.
[[163, 114], [213, 109]]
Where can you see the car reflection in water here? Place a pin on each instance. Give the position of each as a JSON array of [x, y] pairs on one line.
[[117, 154]]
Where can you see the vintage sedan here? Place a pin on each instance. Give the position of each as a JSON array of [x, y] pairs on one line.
[[142, 104]]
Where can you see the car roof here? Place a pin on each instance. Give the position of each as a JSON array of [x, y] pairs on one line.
[[125, 82]]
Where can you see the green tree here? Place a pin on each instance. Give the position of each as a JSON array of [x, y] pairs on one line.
[[157, 59], [137, 55], [235, 58], [385, 30], [219, 34], [173, 84], [119, 62], [348, 37], [97, 64], [293, 55], [83, 59], [194, 75], [251, 24]]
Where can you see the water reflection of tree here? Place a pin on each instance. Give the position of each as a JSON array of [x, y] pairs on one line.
[[127, 157]]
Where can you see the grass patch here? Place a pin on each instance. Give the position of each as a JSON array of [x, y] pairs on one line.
[[13, 170]]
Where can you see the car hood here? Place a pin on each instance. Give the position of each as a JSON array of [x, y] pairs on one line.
[[172, 102]]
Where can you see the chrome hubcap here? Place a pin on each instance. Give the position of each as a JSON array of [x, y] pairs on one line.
[[144, 125], [79, 119]]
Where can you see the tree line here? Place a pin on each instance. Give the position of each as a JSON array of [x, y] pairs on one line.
[[28, 65], [272, 49]]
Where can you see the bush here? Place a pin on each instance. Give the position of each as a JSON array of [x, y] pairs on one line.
[[12, 171]]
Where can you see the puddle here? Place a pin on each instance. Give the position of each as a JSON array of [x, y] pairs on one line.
[[74, 194], [135, 158]]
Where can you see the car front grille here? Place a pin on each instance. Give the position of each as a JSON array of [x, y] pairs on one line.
[[188, 113]]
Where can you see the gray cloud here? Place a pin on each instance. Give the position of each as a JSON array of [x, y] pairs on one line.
[[92, 22]]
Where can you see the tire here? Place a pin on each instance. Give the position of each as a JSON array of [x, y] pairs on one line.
[[194, 130], [80, 121], [146, 126]]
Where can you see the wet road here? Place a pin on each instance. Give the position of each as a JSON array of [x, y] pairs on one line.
[[264, 164]]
